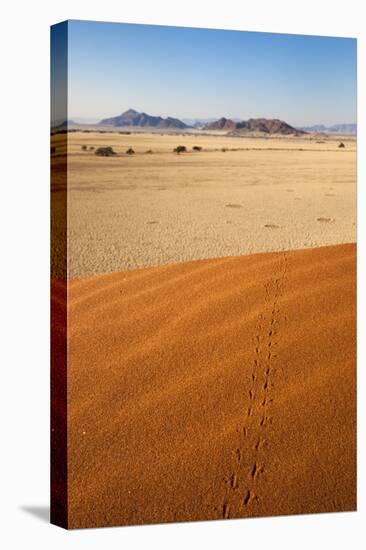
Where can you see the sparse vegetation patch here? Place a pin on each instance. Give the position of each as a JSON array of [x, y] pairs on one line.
[[180, 149], [105, 151]]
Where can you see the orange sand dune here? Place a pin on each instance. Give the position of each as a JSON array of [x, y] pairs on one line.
[[213, 389]]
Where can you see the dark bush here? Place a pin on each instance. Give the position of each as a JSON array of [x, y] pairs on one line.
[[91, 148], [196, 148], [149, 152], [130, 151], [104, 151], [223, 150], [341, 145], [84, 147], [180, 149]]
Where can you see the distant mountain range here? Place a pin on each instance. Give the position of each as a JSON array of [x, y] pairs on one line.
[[262, 125], [143, 120], [335, 129], [201, 122], [233, 126]]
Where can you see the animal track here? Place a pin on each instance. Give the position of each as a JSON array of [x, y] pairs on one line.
[[256, 470], [260, 443], [247, 498], [234, 481], [226, 511], [244, 479]]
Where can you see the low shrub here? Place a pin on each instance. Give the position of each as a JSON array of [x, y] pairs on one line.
[[180, 149], [104, 151]]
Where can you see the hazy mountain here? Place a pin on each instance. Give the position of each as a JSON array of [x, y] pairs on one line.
[[58, 124], [314, 128], [143, 120], [202, 122], [82, 120], [198, 122], [264, 125], [335, 128]]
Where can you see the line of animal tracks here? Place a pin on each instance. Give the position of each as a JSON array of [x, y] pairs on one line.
[[242, 485]]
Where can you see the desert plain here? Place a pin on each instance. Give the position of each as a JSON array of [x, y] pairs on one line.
[[211, 326], [148, 209]]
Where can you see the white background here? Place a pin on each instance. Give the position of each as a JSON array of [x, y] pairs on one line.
[[24, 202]]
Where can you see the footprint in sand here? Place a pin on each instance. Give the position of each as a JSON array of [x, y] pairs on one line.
[[272, 226], [151, 222], [233, 205], [325, 220]]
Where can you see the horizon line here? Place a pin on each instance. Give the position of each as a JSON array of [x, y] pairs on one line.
[[203, 118]]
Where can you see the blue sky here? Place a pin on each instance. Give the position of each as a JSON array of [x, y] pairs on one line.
[[193, 73]]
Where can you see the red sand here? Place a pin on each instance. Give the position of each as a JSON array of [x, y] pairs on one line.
[[211, 389]]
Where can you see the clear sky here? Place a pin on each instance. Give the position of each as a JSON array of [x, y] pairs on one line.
[[201, 73]]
